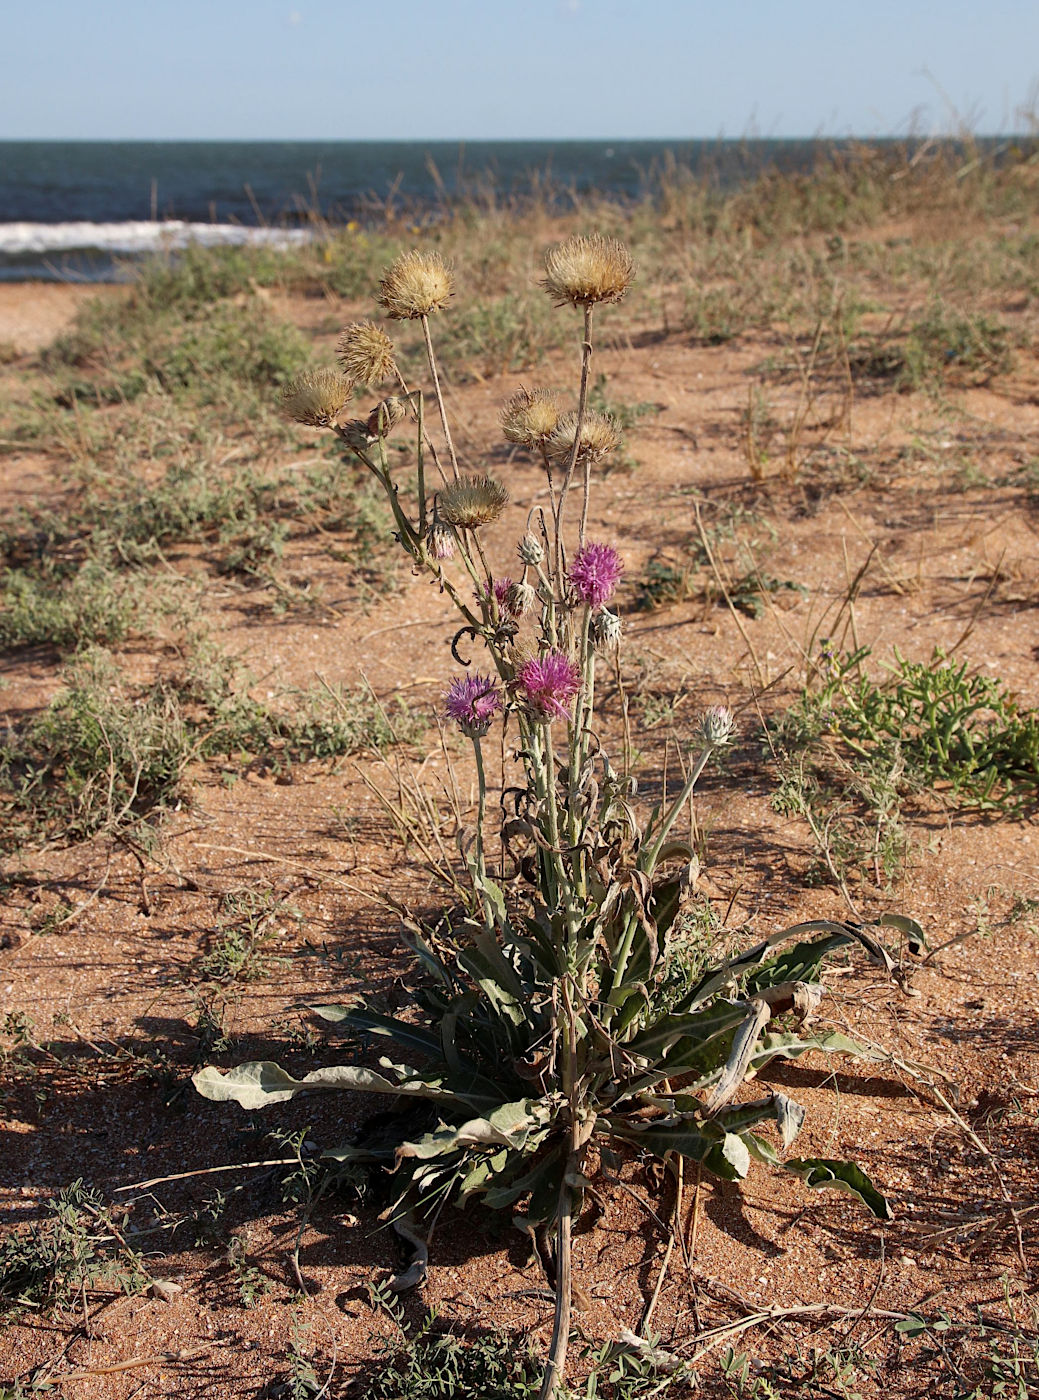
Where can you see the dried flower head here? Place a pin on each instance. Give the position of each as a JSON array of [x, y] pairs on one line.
[[417, 284], [440, 540], [386, 415], [316, 397], [355, 434], [548, 684], [472, 702], [716, 726], [599, 437], [472, 501], [529, 417], [606, 630], [520, 599], [366, 353], [582, 271], [595, 573]]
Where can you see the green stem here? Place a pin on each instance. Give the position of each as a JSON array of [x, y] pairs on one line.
[[676, 807], [481, 812]]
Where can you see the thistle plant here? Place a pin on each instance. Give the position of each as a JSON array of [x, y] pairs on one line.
[[541, 1031]]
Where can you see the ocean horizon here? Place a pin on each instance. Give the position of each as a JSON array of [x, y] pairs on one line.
[[78, 210]]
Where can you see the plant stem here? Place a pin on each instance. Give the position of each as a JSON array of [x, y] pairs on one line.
[[676, 807], [417, 394], [556, 1363], [481, 812], [421, 469], [440, 397], [582, 403]]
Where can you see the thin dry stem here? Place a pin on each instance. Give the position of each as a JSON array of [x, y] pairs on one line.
[[439, 394]]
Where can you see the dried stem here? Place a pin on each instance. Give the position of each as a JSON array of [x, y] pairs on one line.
[[555, 1365], [439, 393], [582, 404]]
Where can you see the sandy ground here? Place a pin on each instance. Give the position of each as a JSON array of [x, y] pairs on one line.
[[33, 313], [952, 561]]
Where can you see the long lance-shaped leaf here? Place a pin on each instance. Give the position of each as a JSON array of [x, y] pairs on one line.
[[821, 1173], [842, 933], [724, 1154], [262, 1082], [497, 980], [801, 963], [465, 1078], [698, 1027], [790, 1045], [787, 1045], [359, 1018]]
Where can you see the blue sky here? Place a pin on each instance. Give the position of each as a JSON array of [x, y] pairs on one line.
[[499, 69]]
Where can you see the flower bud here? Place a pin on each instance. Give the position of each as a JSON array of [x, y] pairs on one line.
[[440, 541], [716, 727], [530, 549], [606, 629], [385, 416], [520, 599]]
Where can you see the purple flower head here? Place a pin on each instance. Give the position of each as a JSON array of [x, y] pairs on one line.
[[502, 591], [548, 684], [472, 702], [595, 573]]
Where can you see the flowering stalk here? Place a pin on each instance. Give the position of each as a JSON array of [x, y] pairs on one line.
[[582, 404], [548, 1009], [439, 395]]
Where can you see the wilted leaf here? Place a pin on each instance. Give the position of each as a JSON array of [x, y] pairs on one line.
[[262, 1082], [824, 1172], [735, 1152], [789, 1118]]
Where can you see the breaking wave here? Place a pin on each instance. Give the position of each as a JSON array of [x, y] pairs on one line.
[[19, 239]]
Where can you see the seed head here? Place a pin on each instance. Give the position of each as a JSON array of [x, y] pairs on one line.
[[599, 437], [606, 630], [316, 397], [529, 417], [417, 284], [366, 353], [385, 416], [472, 702], [716, 727], [548, 684], [582, 271], [595, 573], [472, 501]]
